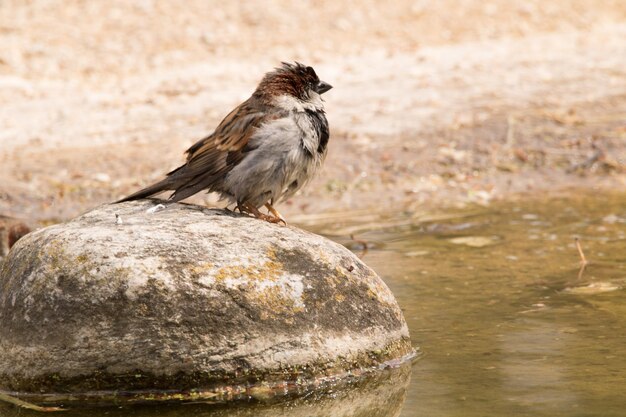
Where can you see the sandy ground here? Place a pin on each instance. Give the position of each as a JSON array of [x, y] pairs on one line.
[[435, 103]]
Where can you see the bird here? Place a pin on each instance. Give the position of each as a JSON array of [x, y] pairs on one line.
[[263, 151]]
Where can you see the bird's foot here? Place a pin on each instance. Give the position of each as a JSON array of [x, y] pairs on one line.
[[275, 213], [250, 209], [270, 218]]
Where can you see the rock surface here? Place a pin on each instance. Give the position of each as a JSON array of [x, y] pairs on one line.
[[130, 298]]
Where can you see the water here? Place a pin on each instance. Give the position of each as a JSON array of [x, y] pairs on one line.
[[512, 326], [506, 321]]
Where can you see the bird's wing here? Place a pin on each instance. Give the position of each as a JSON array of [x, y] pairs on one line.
[[217, 153], [211, 158]]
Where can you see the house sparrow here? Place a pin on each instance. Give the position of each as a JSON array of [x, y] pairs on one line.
[[263, 151]]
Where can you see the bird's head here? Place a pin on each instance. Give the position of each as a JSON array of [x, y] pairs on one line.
[[293, 81]]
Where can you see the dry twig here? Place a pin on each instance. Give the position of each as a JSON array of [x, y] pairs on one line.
[[583, 259]]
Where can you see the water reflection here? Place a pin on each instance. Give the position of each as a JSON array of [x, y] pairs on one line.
[[381, 395], [533, 375], [494, 298]]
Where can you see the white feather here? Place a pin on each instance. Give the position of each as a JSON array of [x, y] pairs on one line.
[[291, 103]]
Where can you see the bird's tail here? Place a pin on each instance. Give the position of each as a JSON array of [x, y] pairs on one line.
[[163, 185]]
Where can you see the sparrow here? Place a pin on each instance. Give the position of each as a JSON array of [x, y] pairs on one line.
[[264, 150]]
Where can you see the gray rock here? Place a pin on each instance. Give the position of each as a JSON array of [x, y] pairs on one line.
[[126, 298]]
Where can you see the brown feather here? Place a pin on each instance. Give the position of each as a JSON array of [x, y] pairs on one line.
[[212, 155]]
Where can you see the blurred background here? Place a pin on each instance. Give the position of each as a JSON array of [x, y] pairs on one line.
[[494, 131], [436, 103]]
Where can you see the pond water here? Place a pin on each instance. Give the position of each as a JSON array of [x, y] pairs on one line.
[[506, 321]]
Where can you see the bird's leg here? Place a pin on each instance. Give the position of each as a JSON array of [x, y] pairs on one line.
[[275, 213], [249, 208]]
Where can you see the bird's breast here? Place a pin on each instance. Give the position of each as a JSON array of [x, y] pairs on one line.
[[283, 155], [313, 128]]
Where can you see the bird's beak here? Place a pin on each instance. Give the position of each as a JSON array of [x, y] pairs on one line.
[[323, 87]]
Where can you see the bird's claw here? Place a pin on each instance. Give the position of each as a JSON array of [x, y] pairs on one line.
[[275, 214], [275, 217], [271, 219]]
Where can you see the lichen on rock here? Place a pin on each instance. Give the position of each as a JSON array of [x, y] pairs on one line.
[[186, 298]]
